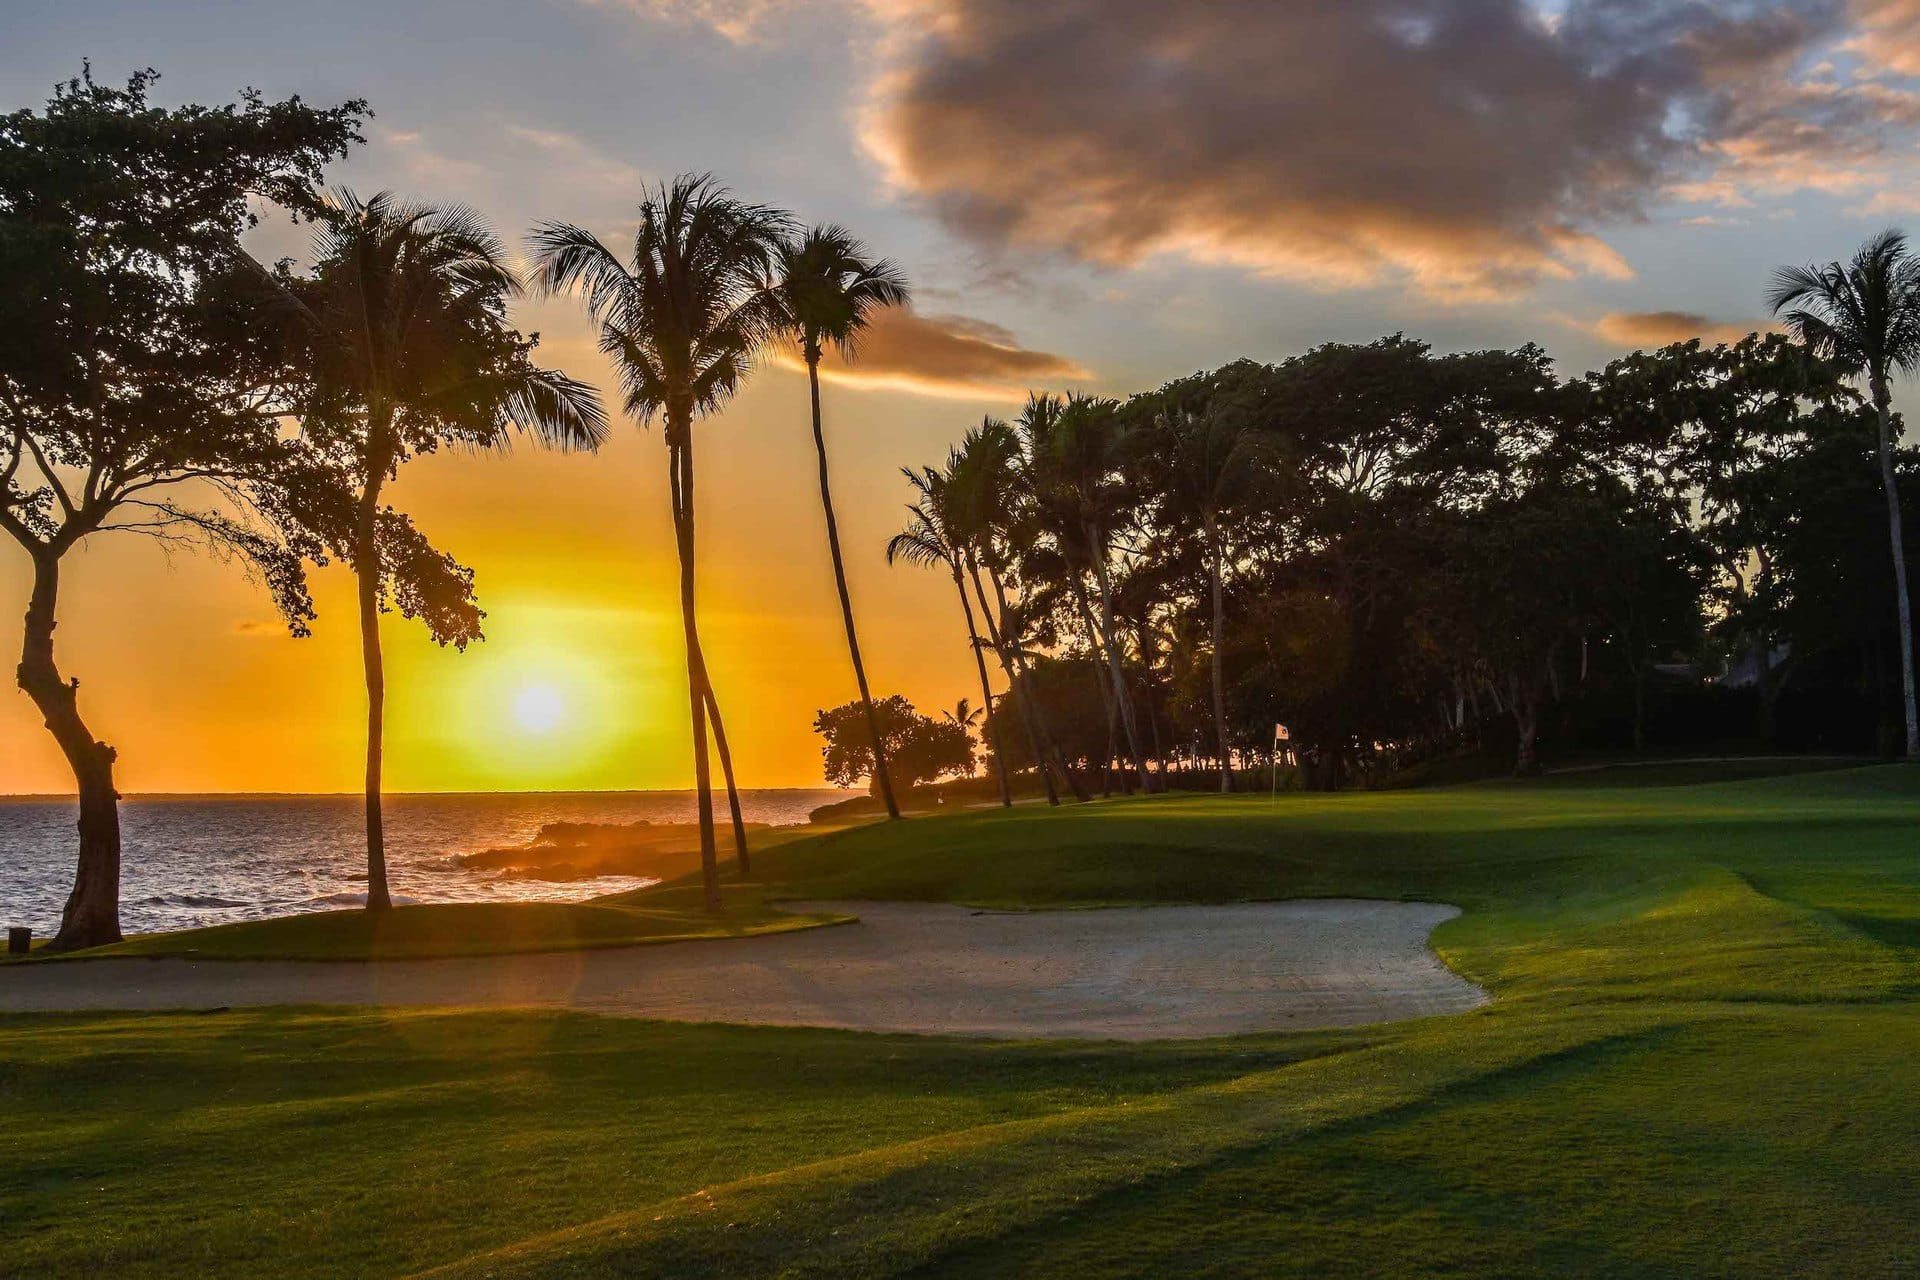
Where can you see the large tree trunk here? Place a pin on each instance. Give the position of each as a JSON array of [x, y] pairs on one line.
[[882, 774], [986, 694], [1903, 600], [1525, 701], [92, 914], [680, 473], [1219, 632], [1760, 653], [366, 568], [726, 769], [1097, 544]]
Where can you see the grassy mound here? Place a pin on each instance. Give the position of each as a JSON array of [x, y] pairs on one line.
[[1699, 1061]]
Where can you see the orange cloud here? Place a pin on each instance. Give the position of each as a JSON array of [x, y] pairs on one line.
[[946, 356], [1889, 34], [1647, 329], [738, 21]]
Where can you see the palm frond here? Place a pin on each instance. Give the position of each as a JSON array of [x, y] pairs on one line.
[[1863, 314], [826, 290], [561, 411]]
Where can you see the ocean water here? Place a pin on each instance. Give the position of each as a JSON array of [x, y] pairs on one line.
[[199, 860]]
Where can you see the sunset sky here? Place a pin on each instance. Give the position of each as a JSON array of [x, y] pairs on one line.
[[1087, 194]]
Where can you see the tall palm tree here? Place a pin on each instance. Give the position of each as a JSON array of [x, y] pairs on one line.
[[1071, 451], [980, 502], [1865, 315], [828, 290], [927, 541], [682, 319], [1202, 459], [405, 321]]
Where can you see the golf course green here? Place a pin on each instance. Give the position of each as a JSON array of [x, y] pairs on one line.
[[1700, 1058]]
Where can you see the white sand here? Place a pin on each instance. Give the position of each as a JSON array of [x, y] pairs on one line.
[[1123, 974]]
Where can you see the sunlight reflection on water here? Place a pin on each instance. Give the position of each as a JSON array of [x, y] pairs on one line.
[[198, 860]]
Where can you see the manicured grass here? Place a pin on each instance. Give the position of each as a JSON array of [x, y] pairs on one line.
[[1700, 1060], [673, 914]]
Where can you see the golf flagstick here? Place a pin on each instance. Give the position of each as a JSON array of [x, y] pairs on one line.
[[1280, 736]]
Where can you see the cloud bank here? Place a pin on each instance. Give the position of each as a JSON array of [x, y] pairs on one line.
[[1465, 148]]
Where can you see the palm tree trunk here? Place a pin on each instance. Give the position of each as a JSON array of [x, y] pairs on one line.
[[1219, 633], [726, 768], [366, 568], [680, 473], [1096, 543], [1100, 686], [881, 771], [1156, 754], [1016, 685], [91, 917], [1903, 600], [1045, 729], [1047, 739], [986, 693]]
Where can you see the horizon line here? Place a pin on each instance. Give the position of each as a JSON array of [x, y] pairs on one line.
[[355, 795]]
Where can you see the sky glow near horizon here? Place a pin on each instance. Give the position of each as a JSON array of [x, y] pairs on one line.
[[1087, 194]]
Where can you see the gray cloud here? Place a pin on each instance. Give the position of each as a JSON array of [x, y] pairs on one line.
[[947, 355], [1465, 147]]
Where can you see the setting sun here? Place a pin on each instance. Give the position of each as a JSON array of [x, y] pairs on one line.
[[538, 708]]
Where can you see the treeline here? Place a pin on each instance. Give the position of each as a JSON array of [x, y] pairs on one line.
[[1402, 556]]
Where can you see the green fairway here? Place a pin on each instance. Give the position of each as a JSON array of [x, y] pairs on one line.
[[1699, 1060]]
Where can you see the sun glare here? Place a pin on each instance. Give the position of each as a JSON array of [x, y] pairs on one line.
[[538, 708]]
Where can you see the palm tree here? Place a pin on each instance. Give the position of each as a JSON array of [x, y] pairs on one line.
[[828, 291], [404, 322], [1070, 455], [1865, 315], [981, 503], [927, 541], [1201, 459], [964, 716], [683, 320]]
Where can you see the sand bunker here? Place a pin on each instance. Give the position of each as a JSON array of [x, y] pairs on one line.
[[1124, 974]]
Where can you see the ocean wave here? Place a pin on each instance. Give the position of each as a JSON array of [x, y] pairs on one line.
[[356, 900]]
